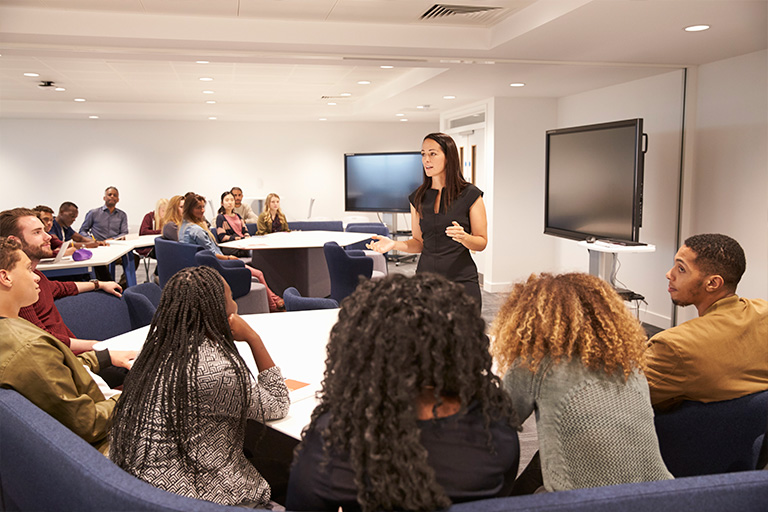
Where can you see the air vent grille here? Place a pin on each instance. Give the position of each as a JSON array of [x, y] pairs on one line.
[[476, 12]]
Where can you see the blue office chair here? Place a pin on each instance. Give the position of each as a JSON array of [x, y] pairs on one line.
[[345, 269], [142, 301], [252, 228], [173, 256], [250, 295], [717, 437], [366, 227], [295, 302], [95, 315]]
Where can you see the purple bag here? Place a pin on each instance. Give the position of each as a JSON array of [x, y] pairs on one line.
[[82, 254]]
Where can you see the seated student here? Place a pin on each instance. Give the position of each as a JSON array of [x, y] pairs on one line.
[[411, 416], [152, 224], [722, 354], [230, 226], [173, 218], [61, 227], [39, 366], [45, 214], [180, 424], [193, 230], [272, 219], [573, 353], [241, 208]]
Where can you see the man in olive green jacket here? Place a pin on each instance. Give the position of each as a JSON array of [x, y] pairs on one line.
[[39, 366]]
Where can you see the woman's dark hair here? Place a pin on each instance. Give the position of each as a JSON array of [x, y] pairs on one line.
[[454, 180], [224, 194], [394, 338], [192, 312]]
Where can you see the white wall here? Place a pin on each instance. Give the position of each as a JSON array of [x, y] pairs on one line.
[[729, 179], [51, 161], [658, 100]]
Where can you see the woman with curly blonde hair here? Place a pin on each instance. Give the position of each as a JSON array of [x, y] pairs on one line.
[[571, 351]]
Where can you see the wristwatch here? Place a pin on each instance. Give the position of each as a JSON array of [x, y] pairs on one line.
[[95, 284]]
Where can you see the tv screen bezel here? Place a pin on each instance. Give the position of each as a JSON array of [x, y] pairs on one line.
[[346, 189], [637, 182]]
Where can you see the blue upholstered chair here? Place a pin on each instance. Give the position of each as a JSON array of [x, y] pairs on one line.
[[717, 437], [366, 227], [316, 225], [142, 301], [252, 228], [250, 295], [173, 256], [95, 315], [295, 302], [345, 269]]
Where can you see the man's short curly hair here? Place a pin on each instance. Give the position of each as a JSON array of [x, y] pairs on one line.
[[10, 253], [719, 254]]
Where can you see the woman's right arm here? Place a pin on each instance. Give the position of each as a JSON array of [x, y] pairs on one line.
[[414, 244]]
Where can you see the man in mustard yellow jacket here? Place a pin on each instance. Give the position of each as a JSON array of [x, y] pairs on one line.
[[722, 354]]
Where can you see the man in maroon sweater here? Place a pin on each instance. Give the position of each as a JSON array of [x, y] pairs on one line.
[[23, 225]]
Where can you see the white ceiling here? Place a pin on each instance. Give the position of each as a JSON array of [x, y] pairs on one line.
[[281, 59]]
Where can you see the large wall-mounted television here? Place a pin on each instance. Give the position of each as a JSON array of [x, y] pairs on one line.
[[381, 182], [594, 181]]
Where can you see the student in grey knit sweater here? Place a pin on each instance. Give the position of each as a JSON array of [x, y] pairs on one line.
[[573, 354]]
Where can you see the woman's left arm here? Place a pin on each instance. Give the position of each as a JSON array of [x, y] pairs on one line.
[[478, 239]]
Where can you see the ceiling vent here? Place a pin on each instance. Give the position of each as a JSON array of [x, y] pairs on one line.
[[476, 13], [46, 84]]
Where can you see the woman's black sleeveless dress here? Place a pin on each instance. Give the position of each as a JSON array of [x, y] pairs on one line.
[[441, 255]]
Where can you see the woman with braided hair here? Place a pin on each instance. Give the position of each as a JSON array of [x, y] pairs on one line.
[[574, 354], [410, 415], [180, 423]]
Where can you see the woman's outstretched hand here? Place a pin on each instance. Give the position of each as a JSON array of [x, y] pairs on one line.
[[381, 244]]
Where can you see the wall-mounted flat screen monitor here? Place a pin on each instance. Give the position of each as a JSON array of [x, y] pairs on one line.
[[594, 181], [381, 182]]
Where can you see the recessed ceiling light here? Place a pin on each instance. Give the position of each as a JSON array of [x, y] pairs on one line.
[[387, 67], [80, 99], [403, 120], [32, 74], [207, 92], [211, 118], [331, 103], [419, 106], [202, 62], [206, 79], [211, 102], [517, 84], [59, 89], [696, 28], [399, 115], [93, 117], [322, 119], [346, 94], [364, 82], [449, 97]]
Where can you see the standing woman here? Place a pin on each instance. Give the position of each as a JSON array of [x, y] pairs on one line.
[[447, 218], [573, 353], [272, 219], [194, 230], [180, 422]]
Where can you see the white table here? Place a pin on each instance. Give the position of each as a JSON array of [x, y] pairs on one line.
[[104, 255], [295, 258], [296, 341]]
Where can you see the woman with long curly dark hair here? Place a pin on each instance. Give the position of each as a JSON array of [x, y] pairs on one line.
[[573, 353], [410, 415], [448, 218], [180, 423]]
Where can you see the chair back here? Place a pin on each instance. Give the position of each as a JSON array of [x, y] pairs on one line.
[[173, 256], [47, 467], [295, 302], [237, 276], [345, 269], [717, 437], [252, 228], [366, 227], [95, 315], [142, 301], [316, 225]]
